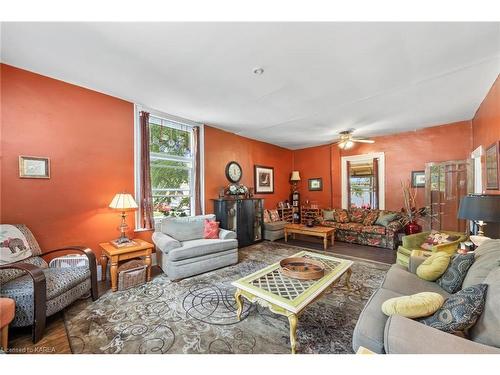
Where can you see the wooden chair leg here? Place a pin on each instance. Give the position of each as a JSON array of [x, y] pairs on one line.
[[5, 337]]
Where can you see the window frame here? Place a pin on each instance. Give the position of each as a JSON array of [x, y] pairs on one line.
[[181, 122]]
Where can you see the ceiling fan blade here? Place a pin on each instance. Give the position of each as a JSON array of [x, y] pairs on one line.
[[362, 140]]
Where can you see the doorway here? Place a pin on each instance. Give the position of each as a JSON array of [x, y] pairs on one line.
[[363, 179]]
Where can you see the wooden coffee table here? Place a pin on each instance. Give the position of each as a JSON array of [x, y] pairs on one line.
[[323, 232], [288, 296]]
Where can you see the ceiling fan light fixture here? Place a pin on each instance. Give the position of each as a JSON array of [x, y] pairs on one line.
[[346, 145]]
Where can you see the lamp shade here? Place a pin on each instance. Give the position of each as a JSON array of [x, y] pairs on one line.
[[480, 207], [123, 201], [295, 176]]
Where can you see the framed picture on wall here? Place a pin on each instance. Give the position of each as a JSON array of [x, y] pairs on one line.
[[418, 179], [492, 166], [264, 179], [315, 184], [34, 167]]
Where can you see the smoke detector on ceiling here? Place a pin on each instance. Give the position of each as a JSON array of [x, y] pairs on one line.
[[258, 71]]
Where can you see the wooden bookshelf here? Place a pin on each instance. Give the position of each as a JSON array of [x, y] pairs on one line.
[[308, 213], [286, 214]]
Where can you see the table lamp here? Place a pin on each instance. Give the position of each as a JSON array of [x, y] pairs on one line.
[[123, 202], [480, 209], [295, 178]]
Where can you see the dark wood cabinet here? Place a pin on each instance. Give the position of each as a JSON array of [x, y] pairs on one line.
[[244, 216]]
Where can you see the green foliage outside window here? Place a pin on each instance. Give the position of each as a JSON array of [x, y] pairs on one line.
[[170, 179]]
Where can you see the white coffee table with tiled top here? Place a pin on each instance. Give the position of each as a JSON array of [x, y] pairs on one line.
[[287, 296]]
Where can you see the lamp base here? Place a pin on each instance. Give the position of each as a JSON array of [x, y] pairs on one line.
[[122, 239]]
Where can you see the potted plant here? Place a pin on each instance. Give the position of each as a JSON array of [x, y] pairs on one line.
[[410, 214], [236, 191]]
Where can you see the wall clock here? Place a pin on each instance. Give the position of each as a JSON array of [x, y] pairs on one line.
[[233, 171]]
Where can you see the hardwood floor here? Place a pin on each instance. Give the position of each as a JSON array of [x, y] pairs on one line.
[[55, 340], [376, 254]]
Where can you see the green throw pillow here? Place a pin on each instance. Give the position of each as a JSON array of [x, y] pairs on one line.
[[434, 266], [414, 306], [329, 215], [384, 219]]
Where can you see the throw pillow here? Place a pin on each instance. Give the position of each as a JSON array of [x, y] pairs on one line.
[[434, 266], [342, 216], [452, 279], [371, 218], [437, 238], [357, 215], [415, 306], [274, 215], [267, 217], [384, 218], [211, 229], [14, 245], [460, 311], [328, 215]]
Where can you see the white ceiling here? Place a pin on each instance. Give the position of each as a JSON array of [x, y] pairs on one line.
[[319, 79]]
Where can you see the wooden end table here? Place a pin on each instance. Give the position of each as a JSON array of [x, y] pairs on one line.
[[115, 255], [316, 231]]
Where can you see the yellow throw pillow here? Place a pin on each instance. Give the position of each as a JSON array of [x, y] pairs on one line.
[[415, 306], [434, 266]]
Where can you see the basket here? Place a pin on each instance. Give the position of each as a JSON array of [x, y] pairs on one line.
[[131, 274]]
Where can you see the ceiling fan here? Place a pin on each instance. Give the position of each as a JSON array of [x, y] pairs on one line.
[[346, 140]]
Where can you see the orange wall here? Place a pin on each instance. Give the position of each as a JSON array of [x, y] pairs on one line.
[[222, 147], [316, 162], [88, 137], [404, 152], [486, 124]]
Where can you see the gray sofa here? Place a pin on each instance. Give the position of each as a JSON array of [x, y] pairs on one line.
[[274, 230], [397, 334], [182, 251]]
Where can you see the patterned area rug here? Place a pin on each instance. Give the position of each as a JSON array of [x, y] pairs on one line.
[[198, 314]]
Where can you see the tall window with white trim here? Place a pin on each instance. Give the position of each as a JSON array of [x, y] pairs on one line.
[[172, 167]]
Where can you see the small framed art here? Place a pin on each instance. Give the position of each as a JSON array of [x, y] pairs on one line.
[[492, 166], [264, 179], [34, 167], [315, 184], [418, 179]]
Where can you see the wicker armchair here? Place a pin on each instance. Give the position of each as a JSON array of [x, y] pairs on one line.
[[40, 291]]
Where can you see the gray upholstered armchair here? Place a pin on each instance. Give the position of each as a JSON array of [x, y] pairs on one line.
[[40, 291]]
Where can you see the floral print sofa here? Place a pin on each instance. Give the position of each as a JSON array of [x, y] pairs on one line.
[[363, 226]]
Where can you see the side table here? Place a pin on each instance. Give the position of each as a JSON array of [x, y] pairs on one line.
[[115, 255]]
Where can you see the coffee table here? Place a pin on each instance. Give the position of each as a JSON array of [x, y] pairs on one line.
[[286, 296], [316, 231]]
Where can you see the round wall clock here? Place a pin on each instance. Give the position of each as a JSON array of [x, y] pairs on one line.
[[233, 171]]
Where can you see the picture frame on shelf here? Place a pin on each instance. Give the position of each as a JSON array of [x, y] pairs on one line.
[[315, 184], [264, 179], [34, 167], [418, 179], [492, 166]]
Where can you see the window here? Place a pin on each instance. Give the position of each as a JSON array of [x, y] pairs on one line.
[[172, 167], [363, 181]]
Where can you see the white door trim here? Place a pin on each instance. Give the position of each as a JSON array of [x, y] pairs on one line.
[[381, 175], [478, 169]]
